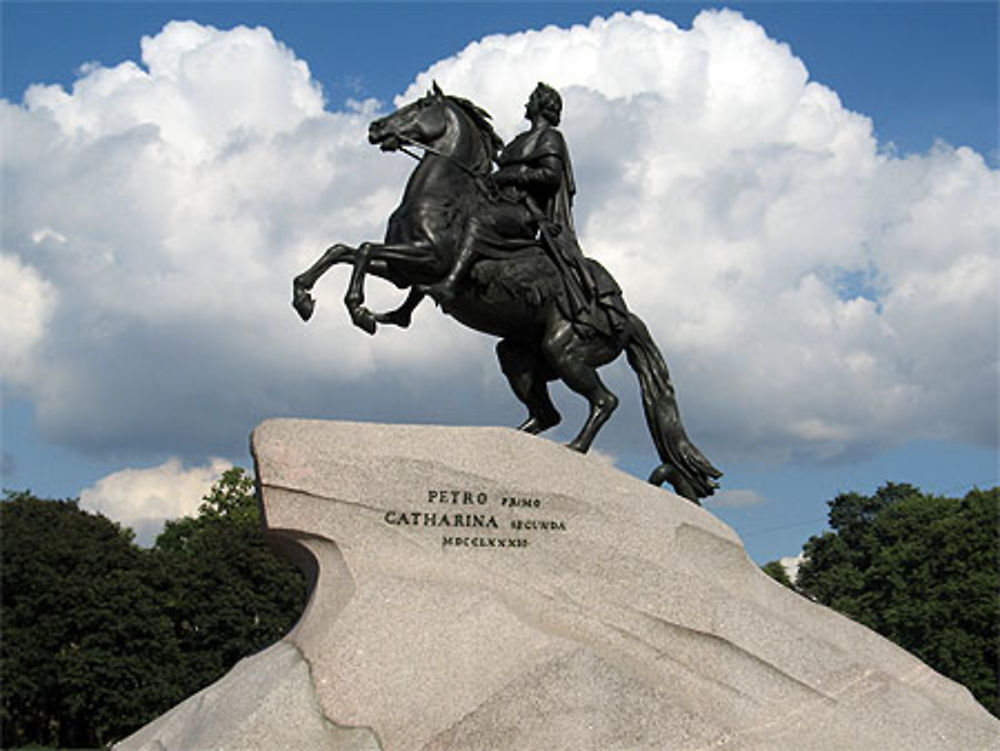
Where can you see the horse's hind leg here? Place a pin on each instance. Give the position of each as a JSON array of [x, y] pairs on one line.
[[527, 378], [302, 301], [567, 353]]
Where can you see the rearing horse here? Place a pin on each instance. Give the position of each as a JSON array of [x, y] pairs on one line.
[[513, 296]]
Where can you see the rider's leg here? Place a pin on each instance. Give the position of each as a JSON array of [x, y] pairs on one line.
[[525, 372]]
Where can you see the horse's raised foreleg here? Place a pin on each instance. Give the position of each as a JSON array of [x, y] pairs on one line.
[[302, 301], [402, 315], [355, 298], [415, 255]]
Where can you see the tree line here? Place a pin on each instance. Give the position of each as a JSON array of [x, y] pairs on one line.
[[100, 636], [922, 570]]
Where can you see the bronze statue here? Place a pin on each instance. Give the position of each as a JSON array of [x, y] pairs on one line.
[[498, 251], [532, 195]]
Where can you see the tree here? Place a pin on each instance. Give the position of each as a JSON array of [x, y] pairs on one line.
[[85, 650], [776, 571], [229, 595], [101, 636], [922, 571]]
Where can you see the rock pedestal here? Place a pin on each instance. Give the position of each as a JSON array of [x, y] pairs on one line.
[[479, 588]]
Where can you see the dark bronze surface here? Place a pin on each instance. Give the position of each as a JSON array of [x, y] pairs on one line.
[[496, 248]]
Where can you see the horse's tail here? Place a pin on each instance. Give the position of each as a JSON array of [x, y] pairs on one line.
[[684, 466]]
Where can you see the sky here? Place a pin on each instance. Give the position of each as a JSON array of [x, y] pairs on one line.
[[800, 200]]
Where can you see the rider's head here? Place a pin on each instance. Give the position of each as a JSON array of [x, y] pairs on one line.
[[548, 102]]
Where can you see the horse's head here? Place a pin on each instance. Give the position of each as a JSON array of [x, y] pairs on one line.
[[423, 121], [448, 125]]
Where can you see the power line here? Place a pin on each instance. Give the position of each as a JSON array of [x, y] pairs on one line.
[[784, 526]]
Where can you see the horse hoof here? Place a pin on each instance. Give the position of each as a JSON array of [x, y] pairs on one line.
[[393, 319], [304, 304], [534, 425], [364, 319]]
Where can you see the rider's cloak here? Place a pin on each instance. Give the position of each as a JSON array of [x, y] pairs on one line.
[[591, 300]]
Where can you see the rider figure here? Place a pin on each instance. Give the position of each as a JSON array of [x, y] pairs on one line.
[[535, 190]]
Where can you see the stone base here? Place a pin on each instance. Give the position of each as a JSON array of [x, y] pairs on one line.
[[479, 588]]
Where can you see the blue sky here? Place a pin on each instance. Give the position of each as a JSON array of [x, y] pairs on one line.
[[920, 72]]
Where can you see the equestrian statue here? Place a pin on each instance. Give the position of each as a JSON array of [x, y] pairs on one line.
[[486, 230]]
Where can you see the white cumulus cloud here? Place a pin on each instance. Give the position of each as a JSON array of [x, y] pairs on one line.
[[792, 564], [816, 297], [27, 301], [143, 499]]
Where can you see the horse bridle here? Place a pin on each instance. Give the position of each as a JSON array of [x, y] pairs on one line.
[[478, 177]]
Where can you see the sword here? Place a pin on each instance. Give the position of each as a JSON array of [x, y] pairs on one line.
[[586, 285]]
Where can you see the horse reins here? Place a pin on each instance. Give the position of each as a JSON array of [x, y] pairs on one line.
[[477, 177]]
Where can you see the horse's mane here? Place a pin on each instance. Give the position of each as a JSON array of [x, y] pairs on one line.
[[481, 119]]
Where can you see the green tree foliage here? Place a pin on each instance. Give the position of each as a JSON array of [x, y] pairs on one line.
[[922, 570], [80, 622], [220, 558], [101, 636], [776, 571]]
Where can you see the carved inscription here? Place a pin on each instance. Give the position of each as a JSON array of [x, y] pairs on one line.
[[473, 519]]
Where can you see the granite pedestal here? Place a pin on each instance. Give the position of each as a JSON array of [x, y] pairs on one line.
[[479, 588]]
